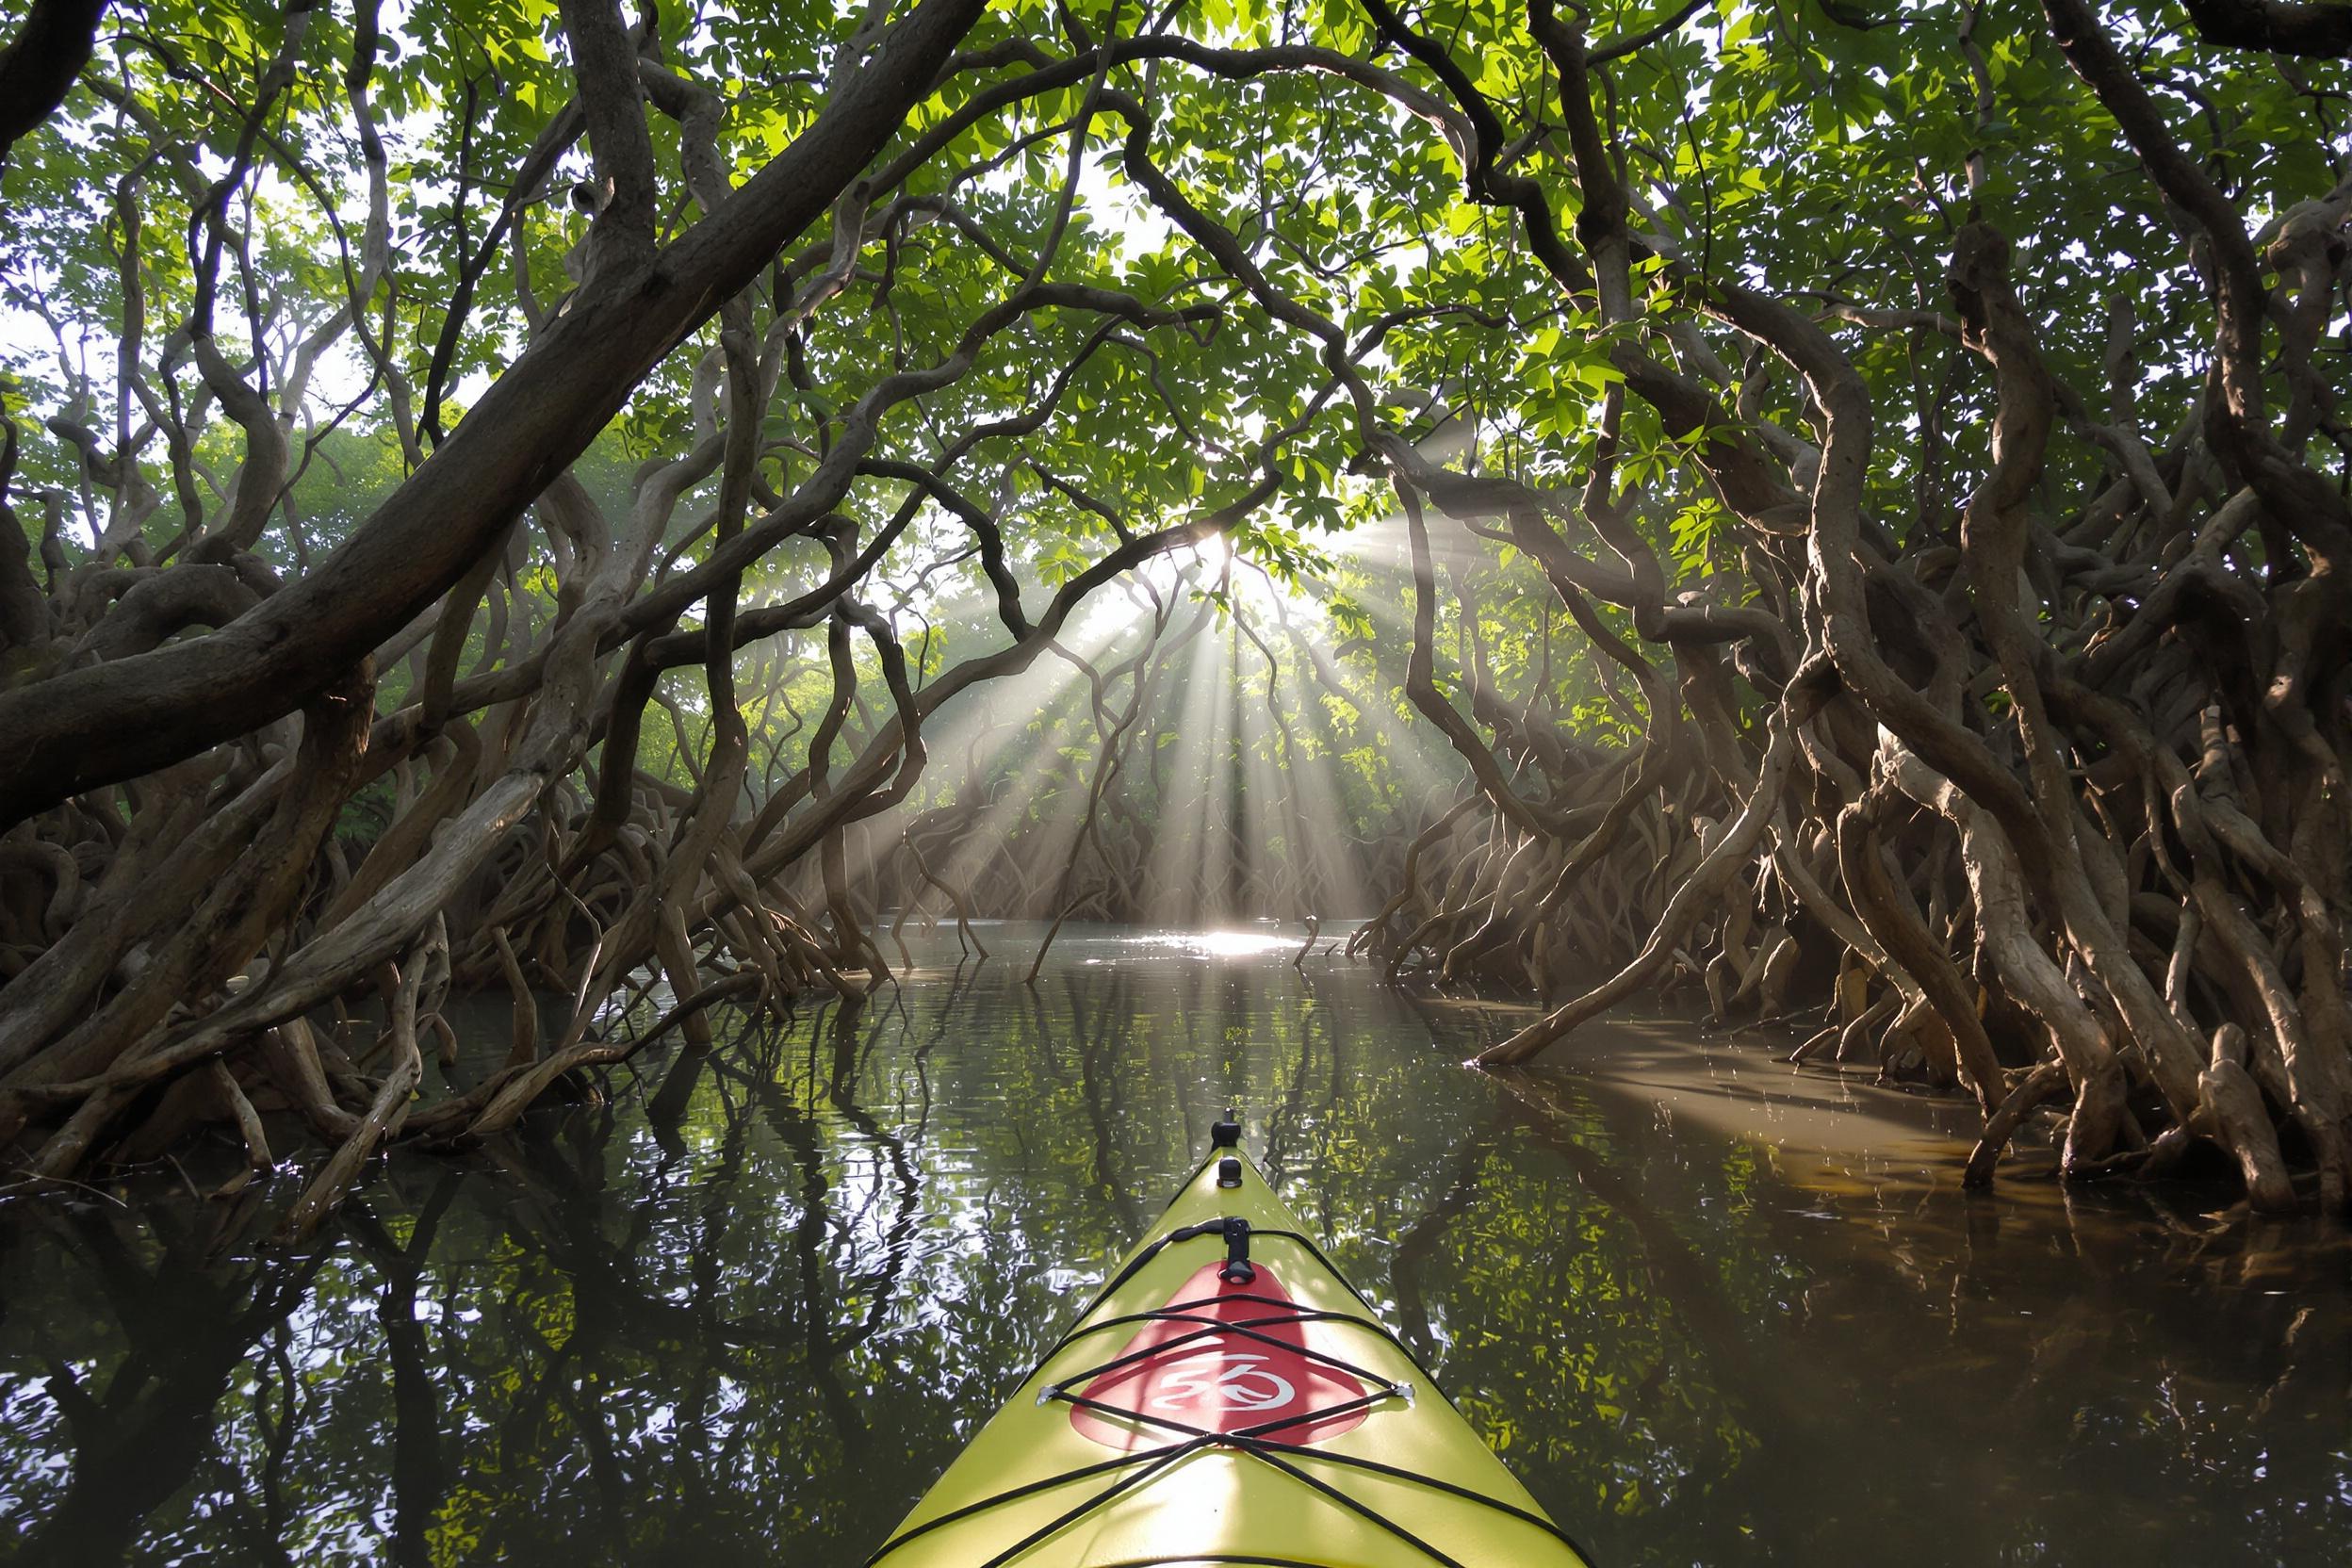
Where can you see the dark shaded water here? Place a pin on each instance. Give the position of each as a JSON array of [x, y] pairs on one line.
[[1710, 1310]]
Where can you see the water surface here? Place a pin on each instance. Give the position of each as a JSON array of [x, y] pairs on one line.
[[1709, 1309]]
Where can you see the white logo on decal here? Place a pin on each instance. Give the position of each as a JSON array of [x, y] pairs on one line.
[[1240, 1383]]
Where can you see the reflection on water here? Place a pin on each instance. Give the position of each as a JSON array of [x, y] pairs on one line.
[[1709, 1310], [1245, 944]]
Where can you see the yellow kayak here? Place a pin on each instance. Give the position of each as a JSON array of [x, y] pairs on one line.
[[1226, 1399]]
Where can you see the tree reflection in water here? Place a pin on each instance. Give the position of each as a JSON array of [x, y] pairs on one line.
[[746, 1309]]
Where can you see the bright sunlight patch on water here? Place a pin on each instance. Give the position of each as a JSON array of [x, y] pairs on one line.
[[1220, 945]]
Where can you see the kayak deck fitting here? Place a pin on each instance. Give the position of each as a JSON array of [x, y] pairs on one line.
[[1227, 1397]]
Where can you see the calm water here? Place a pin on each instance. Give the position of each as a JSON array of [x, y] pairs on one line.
[[1710, 1310]]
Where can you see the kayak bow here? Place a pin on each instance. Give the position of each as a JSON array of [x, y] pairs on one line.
[[1226, 1399]]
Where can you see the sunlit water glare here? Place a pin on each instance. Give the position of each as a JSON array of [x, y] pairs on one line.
[[1220, 945]]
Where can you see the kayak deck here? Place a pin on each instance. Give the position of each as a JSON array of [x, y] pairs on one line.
[[1226, 1399]]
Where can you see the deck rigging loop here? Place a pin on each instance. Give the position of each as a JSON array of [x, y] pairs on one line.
[[1238, 1269]]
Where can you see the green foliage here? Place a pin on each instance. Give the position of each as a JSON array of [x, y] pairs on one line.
[[1827, 163]]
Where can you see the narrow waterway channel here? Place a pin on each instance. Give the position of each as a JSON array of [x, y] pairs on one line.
[[1712, 1310]]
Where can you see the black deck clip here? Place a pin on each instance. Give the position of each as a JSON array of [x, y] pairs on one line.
[[1226, 1134], [1229, 1173], [1238, 1269]]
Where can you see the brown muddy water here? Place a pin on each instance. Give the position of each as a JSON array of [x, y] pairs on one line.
[[1710, 1309]]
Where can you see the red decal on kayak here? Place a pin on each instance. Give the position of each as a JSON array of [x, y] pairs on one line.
[[1197, 1376]]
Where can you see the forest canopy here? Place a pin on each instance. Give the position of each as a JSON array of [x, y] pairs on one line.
[[1833, 500]]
